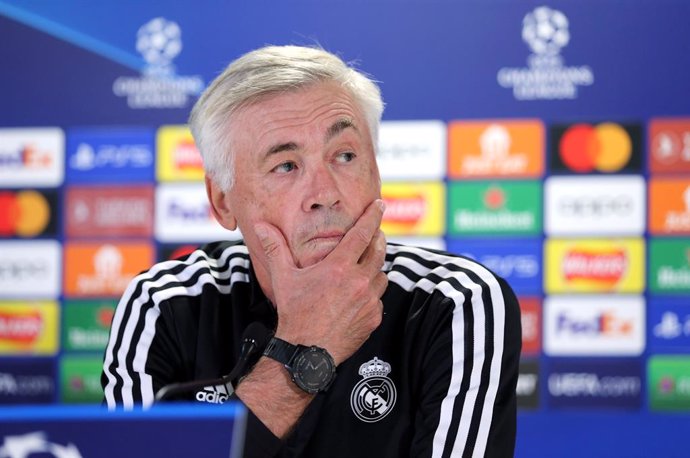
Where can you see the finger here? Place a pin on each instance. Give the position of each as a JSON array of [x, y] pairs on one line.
[[380, 283], [275, 249], [358, 238], [375, 254]]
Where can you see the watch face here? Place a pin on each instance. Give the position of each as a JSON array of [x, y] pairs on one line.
[[314, 369]]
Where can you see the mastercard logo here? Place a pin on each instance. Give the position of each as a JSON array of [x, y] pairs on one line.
[[606, 147], [23, 213]]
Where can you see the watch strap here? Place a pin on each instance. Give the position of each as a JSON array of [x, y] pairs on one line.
[[281, 351]]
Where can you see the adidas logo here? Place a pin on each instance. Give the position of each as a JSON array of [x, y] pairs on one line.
[[213, 394]]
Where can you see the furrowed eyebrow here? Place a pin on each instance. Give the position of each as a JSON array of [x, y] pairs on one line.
[[290, 146], [335, 129], [339, 126]]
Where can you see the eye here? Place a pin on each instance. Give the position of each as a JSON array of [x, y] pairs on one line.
[[285, 167], [345, 156]]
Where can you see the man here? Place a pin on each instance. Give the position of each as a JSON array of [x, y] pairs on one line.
[[407, 351]]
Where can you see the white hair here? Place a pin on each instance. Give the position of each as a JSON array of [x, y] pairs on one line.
[[260, 73]]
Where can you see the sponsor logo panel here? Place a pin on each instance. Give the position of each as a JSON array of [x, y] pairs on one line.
[[183, 214], [27, 381], [114, 211], [589, 265], [178, 158], [669, 206], [594, 325], [596, 148], [527, 388], [669, 324], [546, 32], [614, 383], [518, 261], [669, 383], [495, 208], [80, 379], [494, 149], [413, 150], [86, 325], [32, 157], [28, 328], [28, 213], [669, 266], [413, 209], [30, 269], [110, 155], [594, 205], [669, 145], [530, 318], [103, 269]]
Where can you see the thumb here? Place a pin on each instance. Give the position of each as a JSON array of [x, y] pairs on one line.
[[274, 246]]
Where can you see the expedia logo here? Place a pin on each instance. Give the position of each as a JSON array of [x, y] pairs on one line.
[[373, 397], [212, 395], [605, 267]]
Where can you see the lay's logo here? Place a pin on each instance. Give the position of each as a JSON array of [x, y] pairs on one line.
[[405, 210], [178, 158], [413, 209], [186, 156], [605, 265], [22, 328], [586, 265], [28, 328]]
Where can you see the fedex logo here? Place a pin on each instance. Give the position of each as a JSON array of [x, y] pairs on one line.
[[32, 157], [594, 325], [29, 156], [183, 215], [607, 323], [178, 210]]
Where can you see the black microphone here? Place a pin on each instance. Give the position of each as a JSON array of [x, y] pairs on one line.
[[254, 339]]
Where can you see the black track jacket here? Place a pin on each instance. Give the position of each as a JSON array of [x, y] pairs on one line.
[[437, 378]]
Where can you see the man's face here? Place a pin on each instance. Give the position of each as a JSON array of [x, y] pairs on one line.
[[304, 162]]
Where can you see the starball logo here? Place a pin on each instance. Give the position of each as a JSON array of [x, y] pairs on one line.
[[159, 41], [546, 32]]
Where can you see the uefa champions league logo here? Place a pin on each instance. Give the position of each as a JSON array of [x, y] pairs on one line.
[[159, 41], [546, 31]]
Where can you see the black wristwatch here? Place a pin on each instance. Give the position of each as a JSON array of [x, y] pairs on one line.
[[311, 368]]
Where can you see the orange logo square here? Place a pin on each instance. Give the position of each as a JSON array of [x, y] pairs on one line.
[[669, 206], [103, 269], [496, 149]]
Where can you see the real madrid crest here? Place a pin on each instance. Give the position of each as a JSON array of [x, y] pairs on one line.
[[373, 397]]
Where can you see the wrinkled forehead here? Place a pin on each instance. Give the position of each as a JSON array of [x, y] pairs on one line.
[[318, 106]]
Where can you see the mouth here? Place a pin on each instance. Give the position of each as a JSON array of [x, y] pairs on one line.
[[326, 237]]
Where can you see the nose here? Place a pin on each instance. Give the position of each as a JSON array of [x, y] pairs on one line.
[[321, 190]]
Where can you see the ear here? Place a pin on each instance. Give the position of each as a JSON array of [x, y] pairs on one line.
[[220, 207]]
